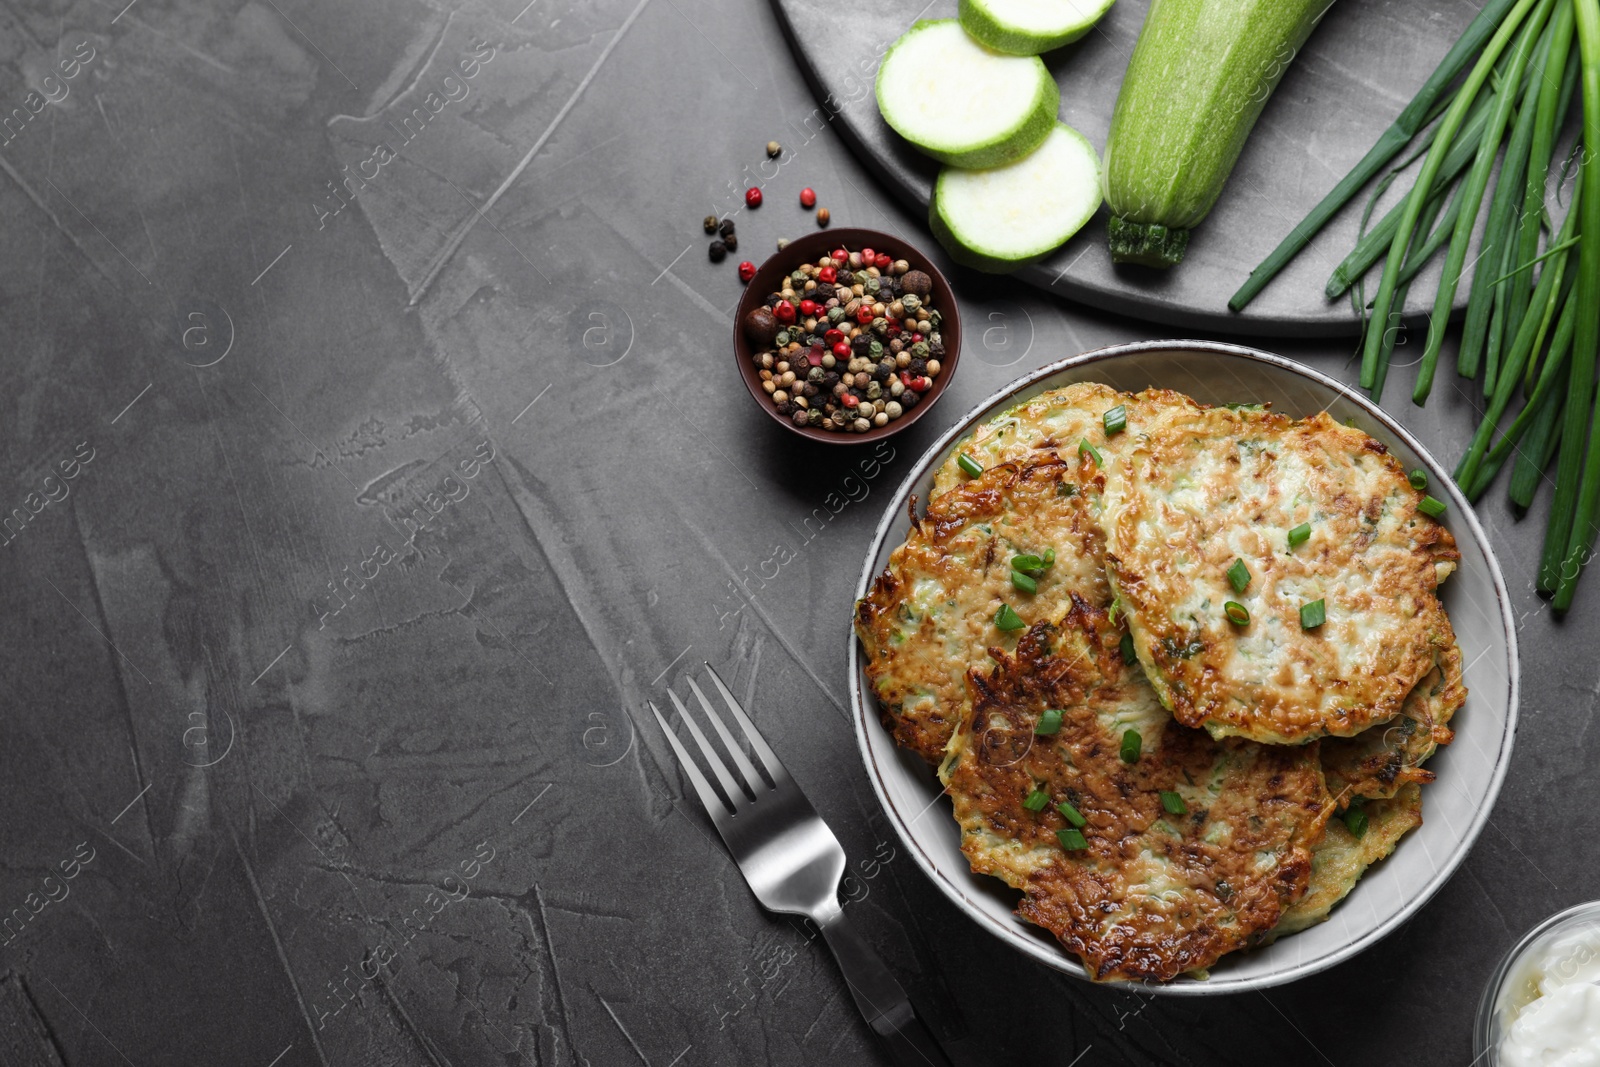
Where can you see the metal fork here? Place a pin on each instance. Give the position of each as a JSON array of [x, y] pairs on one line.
[[793, 864]]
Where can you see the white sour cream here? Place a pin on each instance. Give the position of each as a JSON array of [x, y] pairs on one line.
[[1551, 1006]]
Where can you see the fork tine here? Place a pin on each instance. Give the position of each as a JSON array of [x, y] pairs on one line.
[[729, 787], [708, 796], [752, 779], [769, 759]]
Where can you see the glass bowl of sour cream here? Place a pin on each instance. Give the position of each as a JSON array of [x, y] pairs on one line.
[[1542, 1006]]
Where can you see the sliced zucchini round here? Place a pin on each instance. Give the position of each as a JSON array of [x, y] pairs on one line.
[[999, 219], [1030, 27], [962, 103]]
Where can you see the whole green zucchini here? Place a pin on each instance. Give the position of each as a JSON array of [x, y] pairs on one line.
[[1199, 76]]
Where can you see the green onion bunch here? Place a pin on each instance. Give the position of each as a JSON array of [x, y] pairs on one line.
[[1504, 93]]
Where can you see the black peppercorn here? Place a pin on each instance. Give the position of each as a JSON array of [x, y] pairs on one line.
[[774, 299], [710, 224], [801, 417], [862, 345], [761, 327], [846, 277], [883, 370], [829, 380], [887, 289], [810, 390], [718, 251], [824, 291], [731, 239], [725, 228], [785, 408], [908, 399], [918, 368], [936, 349]]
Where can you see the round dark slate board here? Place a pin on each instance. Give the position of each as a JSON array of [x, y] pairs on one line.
[[1361, 66]]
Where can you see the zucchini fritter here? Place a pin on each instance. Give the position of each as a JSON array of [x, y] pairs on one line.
[[1203, 487], [1340, 859], [1377, 762], [931, 614], [1155, 894], [1053, 421]]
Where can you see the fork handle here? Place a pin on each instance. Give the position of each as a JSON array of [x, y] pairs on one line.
[[880, 999]]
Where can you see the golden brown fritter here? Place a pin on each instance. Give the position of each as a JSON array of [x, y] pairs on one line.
[[1156, 893], [1201, 488], [931, 615], [1379, 761], [1340, 858], [1055, 421]]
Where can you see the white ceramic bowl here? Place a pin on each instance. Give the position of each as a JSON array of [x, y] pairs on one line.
[[1470, 769]]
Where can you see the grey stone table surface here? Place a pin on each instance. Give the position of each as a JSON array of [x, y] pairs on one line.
[[406, 462]]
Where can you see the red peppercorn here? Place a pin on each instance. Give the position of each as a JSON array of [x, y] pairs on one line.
[[814, 356], [808, 197], [905, 378], [864, 316], [841, 349], [916, 338], [849, 400], [808, 308], [869, 258], [833, 337], [747, 270], [922, 383], [827, 274], [784, 311], [839, 256], [752, 197], [883, 262]]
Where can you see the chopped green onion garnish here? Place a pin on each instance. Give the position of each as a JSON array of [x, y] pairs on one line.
[[1418, 480], [1173, 803], [1131, 744], [1115, 419], [1049, 722], [1128, 654], [1355, 820], [1238, 575], [1431, 507], [1300, 534], [1027, 563], [1006, 619], [1072, 840], [1024, 583], [1071, 814], [1066, 489], [1036, 800], [970, 465], [1313, 615], [1094, 453], [1237, 613], [1049, 558]]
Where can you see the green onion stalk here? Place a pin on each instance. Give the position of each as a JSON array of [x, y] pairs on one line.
[[1389, 144], [1448, 127], [1501, 233], [1552, 292], [1586, 337]]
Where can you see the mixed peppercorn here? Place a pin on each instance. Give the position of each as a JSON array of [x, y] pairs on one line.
[[850, 342]]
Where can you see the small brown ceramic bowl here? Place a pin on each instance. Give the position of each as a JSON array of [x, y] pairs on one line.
[[809, 249]]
